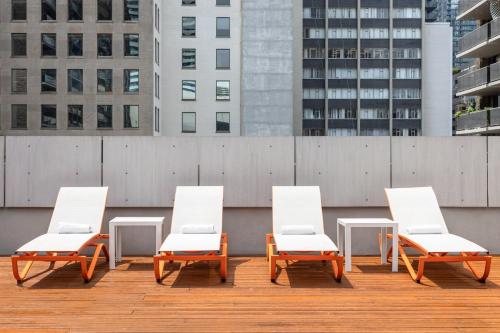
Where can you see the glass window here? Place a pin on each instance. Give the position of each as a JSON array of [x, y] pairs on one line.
[[18, 10], [104, 80], [75, 10], [223, 29], [188, 122], [222, 124], [131, 45], [49, 80], [49, 116], [75, 80], [131, 10], [188, 90], [157, 120], [131, 116], [49, 45], [223, 90], [19, 81], [19, 116], [188, 58], [130, 80], [189, 27], [223, 3], [49, 10], [104, 116], [75, 116], [18, 45], [104, 45], [104, 10], [188, 2], [314, 33], [223, 59], [75, 45]]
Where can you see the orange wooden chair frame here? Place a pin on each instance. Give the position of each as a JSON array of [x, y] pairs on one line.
[[221, 256], [52, 257], [273, 256]]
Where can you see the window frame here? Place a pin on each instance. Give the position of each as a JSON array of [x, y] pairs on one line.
[[12, 48], [217, 67], [81, 116], [182, 122], [125, 11], [185, 18], [97, 12], [216, 91], [25, 11], [125, 77], [70, 91], [42, 2], [69, 10], [42, 55], [99, 36], [70, 37], [217, 19], [182, 91], [111, 116], [42, 70], [41, 117], [129, 106], [228, 122], [25, 110], [128, 35]]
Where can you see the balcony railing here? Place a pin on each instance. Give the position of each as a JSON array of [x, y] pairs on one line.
[[474, 38], [473, 79], [495, 117], [465, 5], [495, 72], [494, 28], [473, 120]]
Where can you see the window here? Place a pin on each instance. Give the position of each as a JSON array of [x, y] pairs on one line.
[[157, 120], [104, 80], [75, 116], [19, 81], [341, 113], [18, 45], [19, 116], [407, 13], [157, 51], [104, 10], [75, 45], [104, 45], [402, 53], [222, 122], [406, 73], [342, 93], [49, 116], [223, 29], [374, 53], [374, 13], [75, 10], [188, 90], [314, 93], [188, 2], [130, 80], [131, 116], [223, 59], [223, 90], [314, 13], [131, 45], [314, 33], [313, 113], [342, 73], [104, 116], [18, 10], [49, 80], [342, 13], [157, 85], [374, 33], [49, 10], [49, 45], [131, 10], [314, 73], [376, 113], [406, 93], [375, 93], [375, 73], [223, 3], [75, 80], [342, 33], [188, 122], [337, 53], [188, 58], [342, 132], [406, 33], [189, 27], [314, 53], [156, 17], [406, 113]]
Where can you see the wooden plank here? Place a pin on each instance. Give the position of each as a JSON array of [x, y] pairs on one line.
[[351, 171], [455, 167], [493, 171], [2, 170]]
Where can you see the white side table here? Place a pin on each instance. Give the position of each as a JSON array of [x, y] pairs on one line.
[[115, 237], [383, 224]]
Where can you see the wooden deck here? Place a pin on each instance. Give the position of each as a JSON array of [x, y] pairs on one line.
[[304, 299]]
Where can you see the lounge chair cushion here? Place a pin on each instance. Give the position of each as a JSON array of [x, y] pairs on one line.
[[57, 243], [198, 229], [304, 243], [297, 230], [444, 243], [74, 228], [425, 229], [191, 242]]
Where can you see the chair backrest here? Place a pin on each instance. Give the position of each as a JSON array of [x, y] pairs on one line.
[[415, 206], [197, 205], [80, 205], [297, 205]]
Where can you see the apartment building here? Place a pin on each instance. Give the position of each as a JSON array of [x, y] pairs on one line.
[[480, 83]]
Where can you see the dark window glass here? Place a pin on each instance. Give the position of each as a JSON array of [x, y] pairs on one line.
[[223, 3], [223, 59], [188, 122], [19, 116], [104, 116], [131, 45], [104, 80], [49, 80], [189, 27], [19, 10], [49, 116], [104, 10], [131, 10], [75, 80], [131, 116], [223, 27], [188, 90], [75, 10], [222, 124], [75, 45], [19, 84], [18, 45], [188, 58], [130, 80], [49, 10], [188, 2], [104, 45], [75, 116], [49, 45]]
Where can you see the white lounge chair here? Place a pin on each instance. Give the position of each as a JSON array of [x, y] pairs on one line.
[[298, 232], [422, 227], [75, 225], [196, 230]]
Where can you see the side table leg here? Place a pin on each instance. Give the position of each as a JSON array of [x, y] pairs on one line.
[[383, 255], [347, 240], [158, 229], [112, 247], [118, 243], [395, 249]]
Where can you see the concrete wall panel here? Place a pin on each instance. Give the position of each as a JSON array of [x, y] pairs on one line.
[[2, 168], [493, 171]]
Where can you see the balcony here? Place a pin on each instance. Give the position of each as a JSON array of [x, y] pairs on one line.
[[481, 82], [479, 122], [470, 43], [474, 10]]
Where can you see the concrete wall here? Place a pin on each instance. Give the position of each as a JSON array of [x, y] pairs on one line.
[[267, 68]]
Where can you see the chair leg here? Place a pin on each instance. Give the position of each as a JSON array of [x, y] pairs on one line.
[[272, 268], [159, 266], [487, 267], [338, 268], [223, 268], [407, 262], [88, 273], [420, 272]]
